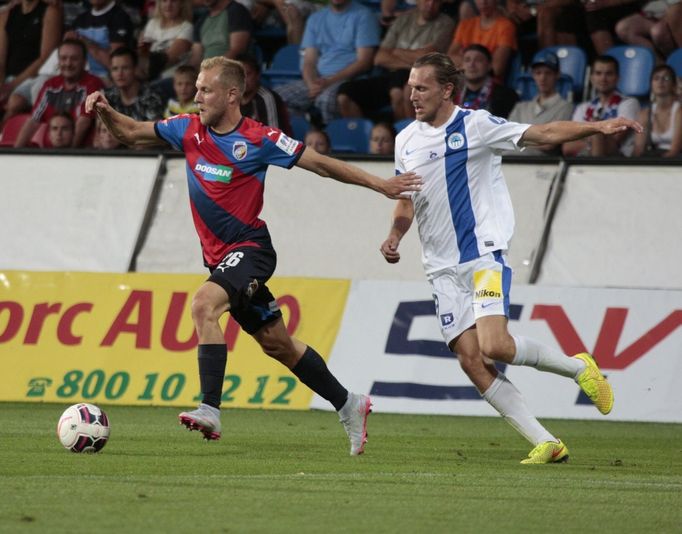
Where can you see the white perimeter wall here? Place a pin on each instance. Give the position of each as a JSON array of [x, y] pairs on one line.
[[617, 227], [322, 228], [61, 213]]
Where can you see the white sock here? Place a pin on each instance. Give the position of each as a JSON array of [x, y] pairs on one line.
[[507, 400], [534, 354]]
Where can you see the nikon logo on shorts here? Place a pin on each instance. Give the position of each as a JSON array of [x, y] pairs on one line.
[[487, 285], [215, 173], [487, 294]]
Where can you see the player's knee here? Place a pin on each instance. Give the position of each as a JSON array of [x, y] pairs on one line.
[[203, 310], [280, 351]]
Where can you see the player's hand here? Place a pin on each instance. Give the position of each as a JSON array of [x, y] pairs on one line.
[[96, 101], [389, 249], [618, 125], [396, 186]]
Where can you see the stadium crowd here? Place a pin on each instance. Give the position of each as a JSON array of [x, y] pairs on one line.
[[334, 73]]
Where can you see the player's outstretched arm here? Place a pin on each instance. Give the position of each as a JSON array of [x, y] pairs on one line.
[[128, 131], [402, 220], [344, 172], [558, 132]]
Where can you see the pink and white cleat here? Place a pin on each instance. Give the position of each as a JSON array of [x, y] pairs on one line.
[[353, 417], [205, 419]]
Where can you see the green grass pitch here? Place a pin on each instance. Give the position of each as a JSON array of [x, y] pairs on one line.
[[290, 472]]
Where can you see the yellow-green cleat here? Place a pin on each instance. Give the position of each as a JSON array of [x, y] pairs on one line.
[[594, 384], [547, 452]]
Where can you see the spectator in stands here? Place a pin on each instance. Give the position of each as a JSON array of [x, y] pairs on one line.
[[103, 138], [339, 44], [523, 13], [166, 39], [636, 29], [128, 95], [666, 34], [319, 141], [560, 22], [480, 90], [66, 92], [547, 106], [30, 31], [607, 104], [60, 130], [415, 33], [490, 29], [184, 87], [601, 17], [293, 14], [392, 9], [225, 31], [102, 29], [260, 103], [382, 139], [662, 122]]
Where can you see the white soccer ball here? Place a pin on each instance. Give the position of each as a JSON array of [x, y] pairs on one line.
[[83, 428]]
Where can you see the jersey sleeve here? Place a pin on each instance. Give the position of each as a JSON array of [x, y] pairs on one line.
[[279, 149], [497, 133], [172, 130]]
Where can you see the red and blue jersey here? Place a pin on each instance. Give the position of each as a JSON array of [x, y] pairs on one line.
[[226, 178]]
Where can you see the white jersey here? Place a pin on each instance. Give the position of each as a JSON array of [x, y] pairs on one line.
[[463, 209]]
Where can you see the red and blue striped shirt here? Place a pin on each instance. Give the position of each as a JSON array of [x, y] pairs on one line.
[[226, 176]]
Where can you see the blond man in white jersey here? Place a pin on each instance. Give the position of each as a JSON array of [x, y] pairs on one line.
[[465, 222]]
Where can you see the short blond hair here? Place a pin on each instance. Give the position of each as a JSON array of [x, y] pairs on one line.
[[185, 10], [231, 73]]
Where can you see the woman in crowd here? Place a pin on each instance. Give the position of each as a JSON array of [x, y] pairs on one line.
[[662, 121], [166, 39]]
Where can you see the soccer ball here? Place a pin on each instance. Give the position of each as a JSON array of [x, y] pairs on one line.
[[83, 428]]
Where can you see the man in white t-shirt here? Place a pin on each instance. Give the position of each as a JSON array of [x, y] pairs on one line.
[[465, 222], [607, 104]]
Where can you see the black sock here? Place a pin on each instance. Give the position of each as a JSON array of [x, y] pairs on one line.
[[212, 362], [314, 373]]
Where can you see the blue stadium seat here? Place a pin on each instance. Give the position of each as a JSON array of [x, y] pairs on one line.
[[350, 135], [526, 89], [399, 125], [635, 65], [573, 63], [285, 67], [300, 127], [675, 61]]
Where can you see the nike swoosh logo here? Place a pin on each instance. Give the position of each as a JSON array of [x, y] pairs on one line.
[[486, 304], [408, 152], [557, 453]]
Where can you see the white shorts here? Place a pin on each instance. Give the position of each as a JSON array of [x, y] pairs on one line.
[[469, 291]]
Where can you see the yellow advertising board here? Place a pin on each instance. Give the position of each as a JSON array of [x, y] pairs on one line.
[[129, 339]]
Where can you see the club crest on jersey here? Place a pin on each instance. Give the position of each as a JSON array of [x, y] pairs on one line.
[[455, 141], [239, 150]]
